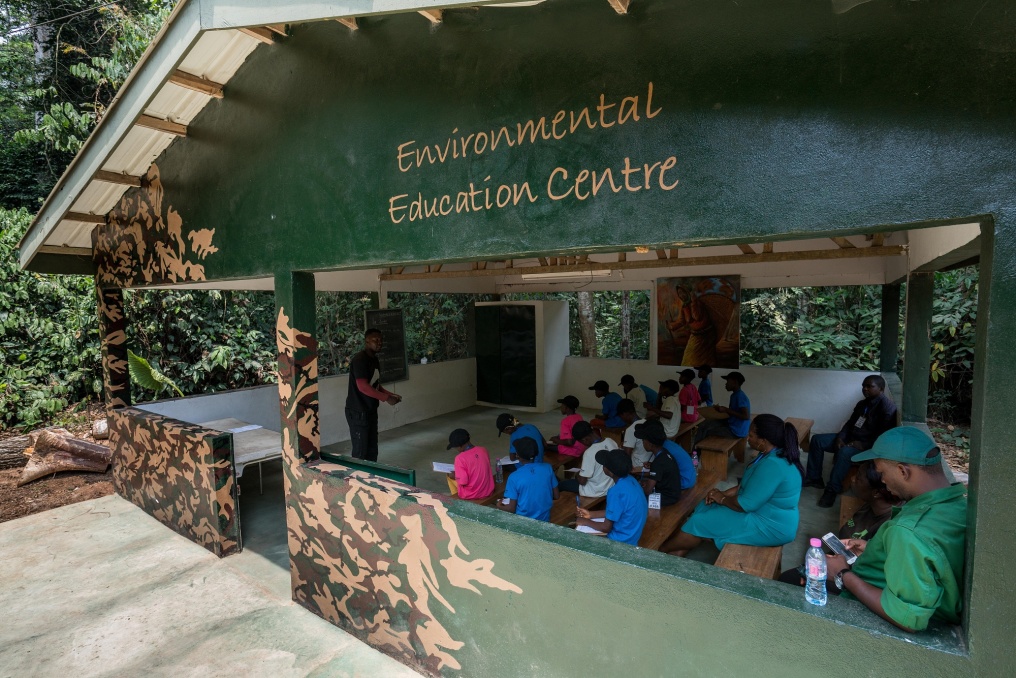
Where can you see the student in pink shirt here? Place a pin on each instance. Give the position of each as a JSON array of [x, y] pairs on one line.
[[688, 397], [472, 467], [565, 443]]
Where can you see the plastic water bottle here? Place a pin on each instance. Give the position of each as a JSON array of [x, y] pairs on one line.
[[694, 458], [815, 564], [499, 474]]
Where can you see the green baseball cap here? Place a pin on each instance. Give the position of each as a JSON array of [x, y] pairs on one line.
[[905, 444]]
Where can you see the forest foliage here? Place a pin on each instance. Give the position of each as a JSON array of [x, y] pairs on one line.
[[59, 77]]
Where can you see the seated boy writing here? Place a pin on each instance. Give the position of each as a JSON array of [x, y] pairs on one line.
[[591, 481], [472, 478], [532, 488], [670, 468], [627, 509]]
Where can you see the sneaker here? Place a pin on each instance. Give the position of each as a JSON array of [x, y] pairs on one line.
[[814, 483], [827, 499]]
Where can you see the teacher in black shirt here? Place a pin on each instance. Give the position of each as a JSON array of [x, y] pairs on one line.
[[365, 395], [872, 416]]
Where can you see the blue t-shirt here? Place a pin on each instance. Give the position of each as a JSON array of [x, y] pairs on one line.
[[651, 395], [527, 431], [610, 403], [739, 427], [684, 463], [705, 391], [628, 508], [532, 487]]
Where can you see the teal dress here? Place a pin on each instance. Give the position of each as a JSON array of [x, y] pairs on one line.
[[769, 494]]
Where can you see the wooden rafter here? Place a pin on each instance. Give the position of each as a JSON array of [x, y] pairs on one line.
[[620, 6], [661, 254], [622, 256], [65, 249], [278, 29], [746, 249], [542, 260], [878, 240], [433, 15], [718, 260], [767, 247], [161, 125], [116, 178], [843, 242], [196, 83], [86, 218], [349, 22], [262, 34], [436, 268], [400, 269], [673, 252]]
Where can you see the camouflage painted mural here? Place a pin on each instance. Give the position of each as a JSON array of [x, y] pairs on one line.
[[370, 555], [113, 336], [180, 474], [142, 245]]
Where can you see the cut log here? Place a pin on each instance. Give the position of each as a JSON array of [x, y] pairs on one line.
[[11, 452], [100, 429], [55, 452]]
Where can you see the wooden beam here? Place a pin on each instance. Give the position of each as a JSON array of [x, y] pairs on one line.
[[87, 218], [349, 22], [720, 260], [620, 6], [196, 84], [400, 269], [878, 240], [509, 263], [746, 249], [843, 242], [278, 29], [262, 34], [673, 252], [116, 178], [661, 254], [767, 247], [542, 260], [161, 125], [622, 256], [433, 15], [436, 268], [65, 249]]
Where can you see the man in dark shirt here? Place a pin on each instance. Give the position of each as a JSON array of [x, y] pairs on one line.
[[872, 416], [663, 474], [365, 396]]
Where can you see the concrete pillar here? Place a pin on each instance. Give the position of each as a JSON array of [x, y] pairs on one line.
[[116, 381], [917, 346], [889, 348], [298, 366]]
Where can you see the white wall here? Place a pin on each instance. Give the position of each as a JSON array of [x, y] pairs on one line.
[[556, 348], [827, 396], [431, 390]]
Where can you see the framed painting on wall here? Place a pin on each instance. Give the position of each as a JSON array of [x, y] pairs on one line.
[[699, 321]]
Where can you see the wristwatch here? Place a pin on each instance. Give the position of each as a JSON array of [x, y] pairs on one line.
[[838, 580]]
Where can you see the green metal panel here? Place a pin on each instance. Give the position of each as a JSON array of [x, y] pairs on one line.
[[917, 346], [396, 473]]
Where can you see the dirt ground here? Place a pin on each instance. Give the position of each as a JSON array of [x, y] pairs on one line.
[[61, 488]]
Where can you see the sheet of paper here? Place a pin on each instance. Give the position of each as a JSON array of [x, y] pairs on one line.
[[587, 530], [241, 429], [507, 461], [444, 468]]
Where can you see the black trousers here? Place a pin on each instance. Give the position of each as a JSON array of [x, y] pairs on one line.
[[363, 433]]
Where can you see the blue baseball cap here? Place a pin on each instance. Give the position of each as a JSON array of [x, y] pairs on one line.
[[905, 444]]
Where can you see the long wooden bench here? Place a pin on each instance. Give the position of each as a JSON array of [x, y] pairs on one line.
[[563, 510], [557, 460], [803, 427], [760, 561], [665, 522], [493, 498], [714, 453]]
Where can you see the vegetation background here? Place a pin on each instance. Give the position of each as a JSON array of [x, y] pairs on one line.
[[60, 65]]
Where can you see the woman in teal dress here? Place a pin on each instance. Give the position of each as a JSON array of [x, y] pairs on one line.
[[762, 510]]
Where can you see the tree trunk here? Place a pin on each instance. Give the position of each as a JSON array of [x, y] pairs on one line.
[[55, 452], [587, 324], [12, 452], [625, 325]]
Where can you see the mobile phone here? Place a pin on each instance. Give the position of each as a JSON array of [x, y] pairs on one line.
[[833, 543]]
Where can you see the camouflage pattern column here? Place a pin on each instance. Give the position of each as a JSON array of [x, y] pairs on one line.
[[113, 338], [298, 361]]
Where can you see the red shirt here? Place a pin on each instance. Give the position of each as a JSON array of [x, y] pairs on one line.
[[472, 473], [689, 398], [578, 448]]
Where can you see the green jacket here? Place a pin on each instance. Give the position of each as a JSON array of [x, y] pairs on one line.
[[917, 559]]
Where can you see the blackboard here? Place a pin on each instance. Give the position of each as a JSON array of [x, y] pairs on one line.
[[394, 364]]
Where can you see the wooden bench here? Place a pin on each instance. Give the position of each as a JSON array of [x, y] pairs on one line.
[[803, 427], [714, 453], [557, 460], [563, 510], [665, 522], [493, 498], [759, 561]]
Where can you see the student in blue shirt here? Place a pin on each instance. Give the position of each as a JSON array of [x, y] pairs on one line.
[[516, 430], [738, 412], [609, 403], [627, 508], [705, 387], [532, 488]]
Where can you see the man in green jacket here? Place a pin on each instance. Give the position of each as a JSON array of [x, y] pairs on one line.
[[912, 570]]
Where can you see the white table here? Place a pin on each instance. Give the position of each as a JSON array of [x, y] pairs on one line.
[[251, 444]]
